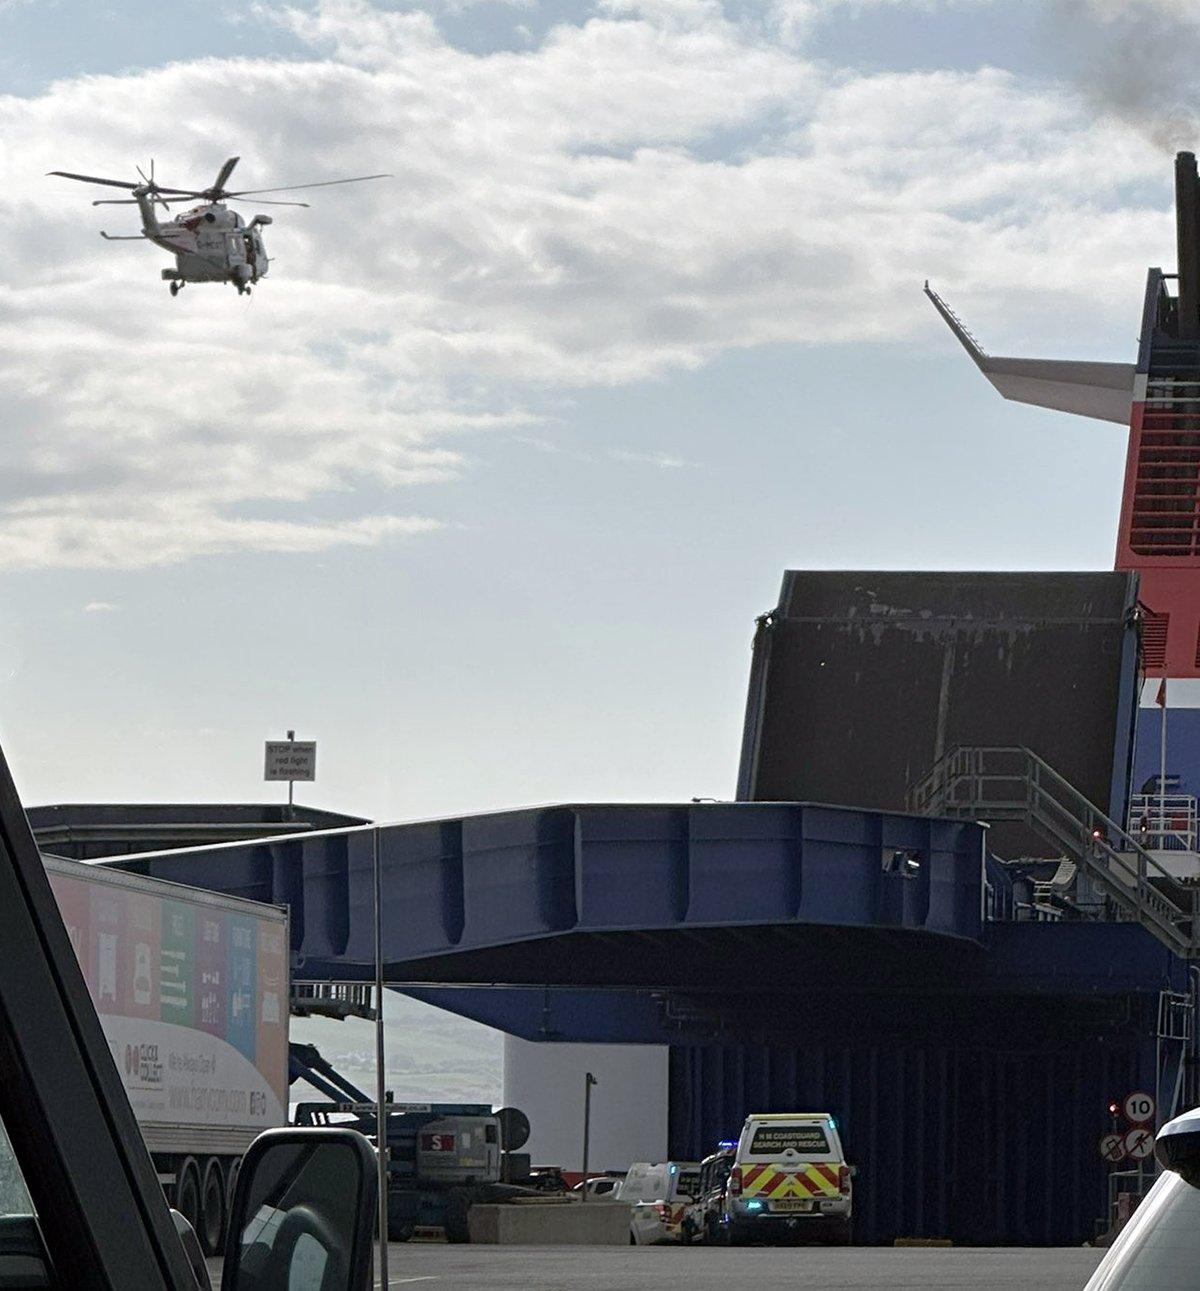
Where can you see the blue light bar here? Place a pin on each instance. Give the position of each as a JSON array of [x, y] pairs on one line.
[[727, 1143], [754, 1205]]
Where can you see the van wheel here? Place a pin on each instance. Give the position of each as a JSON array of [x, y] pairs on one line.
[[212, 1208], [839, 1235]]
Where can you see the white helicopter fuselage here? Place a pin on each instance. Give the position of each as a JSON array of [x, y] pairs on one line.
[[210, 243]]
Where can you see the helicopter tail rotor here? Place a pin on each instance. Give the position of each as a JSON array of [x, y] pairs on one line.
[[148, 182]]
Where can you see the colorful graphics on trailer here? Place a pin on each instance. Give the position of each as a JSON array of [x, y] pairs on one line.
[[192, 992]]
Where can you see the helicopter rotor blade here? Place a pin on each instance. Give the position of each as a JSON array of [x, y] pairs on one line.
[[292, 188], [92, 179], [132, 201], [222, 176], [263, 201]]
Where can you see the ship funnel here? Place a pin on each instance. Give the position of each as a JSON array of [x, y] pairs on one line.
[[1187, 229]]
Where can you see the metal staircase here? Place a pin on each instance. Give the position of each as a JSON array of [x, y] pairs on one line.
[[1014, 784]]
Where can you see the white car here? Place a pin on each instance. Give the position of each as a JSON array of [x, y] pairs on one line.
[[1160, 1246], [658, 1194], [603, 1188]]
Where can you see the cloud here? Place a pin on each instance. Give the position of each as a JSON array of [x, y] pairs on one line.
[[631, 196], [99, 607]]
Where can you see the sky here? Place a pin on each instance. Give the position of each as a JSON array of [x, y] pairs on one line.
[[484, 486]]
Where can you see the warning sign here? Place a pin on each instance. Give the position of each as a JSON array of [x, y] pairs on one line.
[[1139, 1143], [1112, 1148]]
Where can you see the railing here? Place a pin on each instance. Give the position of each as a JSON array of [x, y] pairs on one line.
[[333, 999], [1164, 823], [999, 784]]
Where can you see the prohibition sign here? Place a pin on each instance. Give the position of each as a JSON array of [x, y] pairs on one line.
[[1139, 1143], [1112, 1148]]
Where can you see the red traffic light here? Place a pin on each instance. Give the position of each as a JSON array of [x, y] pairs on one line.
[[1114, 1108]]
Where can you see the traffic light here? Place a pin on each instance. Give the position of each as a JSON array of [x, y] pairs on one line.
[[1114, 1107]]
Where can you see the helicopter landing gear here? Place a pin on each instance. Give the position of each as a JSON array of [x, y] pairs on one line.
[[176, 287]]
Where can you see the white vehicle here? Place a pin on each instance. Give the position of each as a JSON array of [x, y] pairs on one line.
[[603, 1188], [1160, 1246], [789, 1180], [658, 1194]]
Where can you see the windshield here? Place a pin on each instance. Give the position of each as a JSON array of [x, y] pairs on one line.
[[646, 1183], [14, 1199], [1160, 1249]]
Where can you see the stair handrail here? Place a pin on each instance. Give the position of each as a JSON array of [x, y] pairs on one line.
[[935, 793]]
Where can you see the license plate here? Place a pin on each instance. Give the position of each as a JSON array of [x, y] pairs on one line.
[[792, 1203]]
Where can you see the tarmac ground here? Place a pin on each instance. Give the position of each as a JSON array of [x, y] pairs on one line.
[[697, 1268]]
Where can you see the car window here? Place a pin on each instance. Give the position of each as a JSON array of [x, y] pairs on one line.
[[689, 1183], [808, 1139], [14, 1198], [1160, 1249], [646, 1183]]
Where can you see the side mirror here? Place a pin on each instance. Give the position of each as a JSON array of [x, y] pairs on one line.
[[191, 1247], [1177, 1147], [303, 1213], [854, 1172]]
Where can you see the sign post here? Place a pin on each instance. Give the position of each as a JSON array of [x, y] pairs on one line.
[[290, 760]]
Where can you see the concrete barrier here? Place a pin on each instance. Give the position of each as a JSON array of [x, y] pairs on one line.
[[592, 1223]]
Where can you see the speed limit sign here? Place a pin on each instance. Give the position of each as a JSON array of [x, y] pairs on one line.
[[1139, 1108]]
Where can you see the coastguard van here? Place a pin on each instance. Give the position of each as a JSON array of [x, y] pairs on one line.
[[789, 1180]]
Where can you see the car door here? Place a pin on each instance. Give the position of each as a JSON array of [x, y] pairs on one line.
[[97, 1216]]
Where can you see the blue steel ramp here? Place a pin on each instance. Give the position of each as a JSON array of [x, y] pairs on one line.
[[536, 895]]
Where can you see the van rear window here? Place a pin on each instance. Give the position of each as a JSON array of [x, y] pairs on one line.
[[779, 1138], [689, 1183]]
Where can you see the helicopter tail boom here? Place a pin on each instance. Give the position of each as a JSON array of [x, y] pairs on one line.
[[144, 195]]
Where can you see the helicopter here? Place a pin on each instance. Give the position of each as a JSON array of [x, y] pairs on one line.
[[210, 243]]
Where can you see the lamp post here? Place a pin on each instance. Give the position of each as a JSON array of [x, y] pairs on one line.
[[381, 1124], [588, 1081]]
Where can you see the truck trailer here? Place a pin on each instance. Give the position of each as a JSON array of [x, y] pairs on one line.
[[192, 992]]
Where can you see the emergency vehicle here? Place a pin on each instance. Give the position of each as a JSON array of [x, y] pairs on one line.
[[789, 1180], [704, 1217], [658, 1194]]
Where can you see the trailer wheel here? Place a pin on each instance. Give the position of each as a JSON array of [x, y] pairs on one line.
[[187, 1191], [231, 1175], [457, 1228], [212, 1208]]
